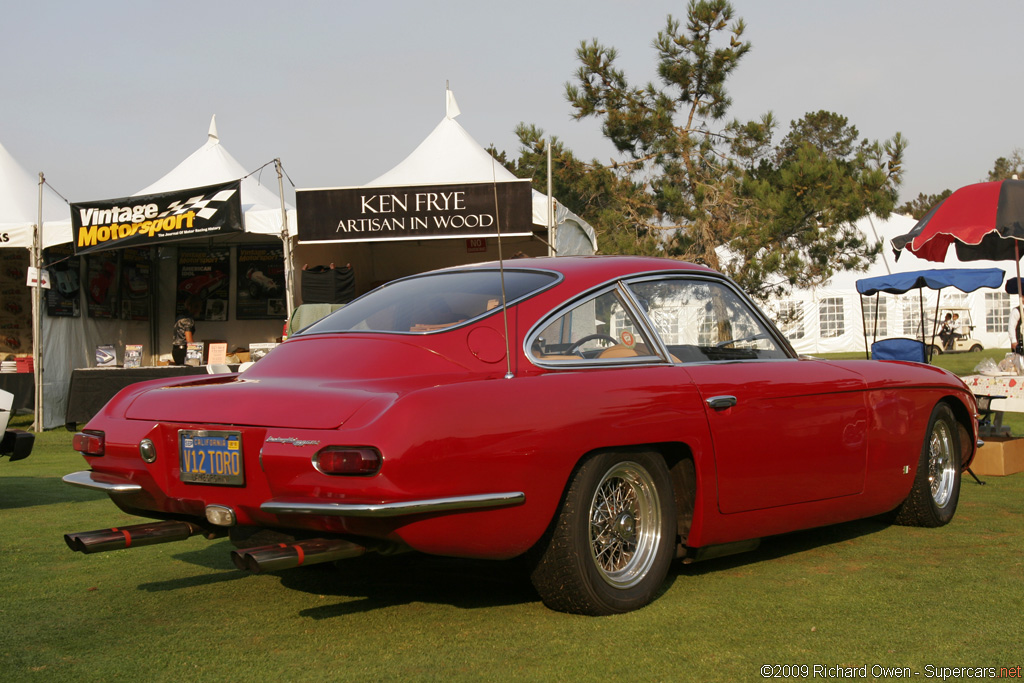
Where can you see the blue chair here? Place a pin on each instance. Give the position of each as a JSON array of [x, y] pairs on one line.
[[899, 348]]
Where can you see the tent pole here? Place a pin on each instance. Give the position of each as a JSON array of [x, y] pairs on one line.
[[552, 251], [37, 313], [920, 296], [935, 323], [864, 326], [1020, 301], [286, 241]]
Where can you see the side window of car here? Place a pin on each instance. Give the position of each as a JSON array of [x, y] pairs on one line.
[[704, 320], [600, 329]]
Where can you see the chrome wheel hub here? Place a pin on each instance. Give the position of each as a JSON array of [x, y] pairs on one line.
[[625, 525], [941, 471]]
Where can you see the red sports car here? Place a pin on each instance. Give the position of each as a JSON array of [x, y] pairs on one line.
[[618, 413]]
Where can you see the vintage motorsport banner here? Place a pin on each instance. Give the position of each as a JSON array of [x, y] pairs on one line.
[[157, 218], [367, 214]]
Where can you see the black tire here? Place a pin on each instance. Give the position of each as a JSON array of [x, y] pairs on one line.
[[936, 490], [976, 348], [613, 539], [934, 350]]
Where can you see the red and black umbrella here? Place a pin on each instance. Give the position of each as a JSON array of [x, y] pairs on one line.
[[985, 222]]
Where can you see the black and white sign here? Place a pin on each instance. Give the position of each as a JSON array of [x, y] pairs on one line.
[[365, 214]]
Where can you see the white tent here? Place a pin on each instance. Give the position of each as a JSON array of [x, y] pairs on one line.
[[19, 207], [212, 164], [828, 319], [69, 343], [20, 199], [450, 155]]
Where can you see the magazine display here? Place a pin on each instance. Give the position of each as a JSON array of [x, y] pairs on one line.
[[133, 355], [106, 357], [257, 351], [194, 354]]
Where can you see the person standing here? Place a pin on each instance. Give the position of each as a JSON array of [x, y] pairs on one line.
[[184, 331], [1015, 332]]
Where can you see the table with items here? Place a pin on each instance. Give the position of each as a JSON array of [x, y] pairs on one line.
[[997, 394], [91, 388], [23, 386]]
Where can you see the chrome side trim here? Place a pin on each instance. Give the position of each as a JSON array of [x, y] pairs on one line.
[[309, 506], [101, 482]]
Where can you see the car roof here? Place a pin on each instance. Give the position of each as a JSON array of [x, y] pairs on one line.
[[585, 271]]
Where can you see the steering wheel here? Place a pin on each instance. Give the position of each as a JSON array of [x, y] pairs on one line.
[[575, 348]]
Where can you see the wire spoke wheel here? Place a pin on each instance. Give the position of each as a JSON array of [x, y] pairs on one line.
[[934, 494], [625, 525], [613, 538], [941, 470]]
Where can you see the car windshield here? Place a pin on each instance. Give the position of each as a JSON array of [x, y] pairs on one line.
[[432, 302]]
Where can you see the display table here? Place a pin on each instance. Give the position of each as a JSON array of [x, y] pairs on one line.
[[1010, 386], [23, 386], [91, 388]]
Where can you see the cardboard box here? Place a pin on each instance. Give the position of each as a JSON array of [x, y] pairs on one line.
[[999, 456]]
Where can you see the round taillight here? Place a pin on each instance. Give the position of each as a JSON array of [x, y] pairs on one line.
[[348, 460]]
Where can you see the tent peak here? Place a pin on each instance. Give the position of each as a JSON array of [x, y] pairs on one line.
[[451, 107], [213, 130]]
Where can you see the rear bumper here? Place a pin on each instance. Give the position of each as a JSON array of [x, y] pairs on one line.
[[101, 482], [311, 506]]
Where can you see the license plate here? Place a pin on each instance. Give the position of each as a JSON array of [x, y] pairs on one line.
[[211, 457]]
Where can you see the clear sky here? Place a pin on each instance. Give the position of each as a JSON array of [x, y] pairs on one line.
[[106, 97]]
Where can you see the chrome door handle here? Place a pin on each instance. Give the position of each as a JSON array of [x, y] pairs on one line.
[[721, 402]]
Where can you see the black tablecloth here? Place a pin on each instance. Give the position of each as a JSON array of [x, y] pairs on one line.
[[23, 386], [91, 388]]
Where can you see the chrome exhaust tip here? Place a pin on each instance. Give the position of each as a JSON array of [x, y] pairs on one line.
[[270, 558], [118, 538]]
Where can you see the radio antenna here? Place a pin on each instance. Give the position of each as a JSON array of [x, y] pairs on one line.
[[501, 271]]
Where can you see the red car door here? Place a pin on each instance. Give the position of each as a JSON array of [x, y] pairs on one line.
[[784, 431]]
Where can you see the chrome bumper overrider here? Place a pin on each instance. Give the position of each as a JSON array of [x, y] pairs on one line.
[[101, 482], [312, 506]]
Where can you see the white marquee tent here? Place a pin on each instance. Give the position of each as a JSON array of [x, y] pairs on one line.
[[69, 343], [827, 319], [450, 155], [20, 199], [212, 164], [19, 207]]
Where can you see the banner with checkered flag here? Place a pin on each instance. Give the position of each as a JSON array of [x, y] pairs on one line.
[[157, 218]]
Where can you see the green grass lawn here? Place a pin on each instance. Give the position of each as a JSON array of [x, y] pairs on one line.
[[851, 595]]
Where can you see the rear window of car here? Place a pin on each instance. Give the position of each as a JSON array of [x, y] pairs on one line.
[[434, 302]]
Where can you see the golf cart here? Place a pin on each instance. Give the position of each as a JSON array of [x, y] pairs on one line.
[[955, 337], [923, 347]]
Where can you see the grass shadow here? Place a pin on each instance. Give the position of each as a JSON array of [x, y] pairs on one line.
[[775, 547], [21, 492], [193, 581], [373, 582]]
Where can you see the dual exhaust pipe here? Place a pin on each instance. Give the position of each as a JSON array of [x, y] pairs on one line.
[[269, 558], [266, 558], [89, 542]]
